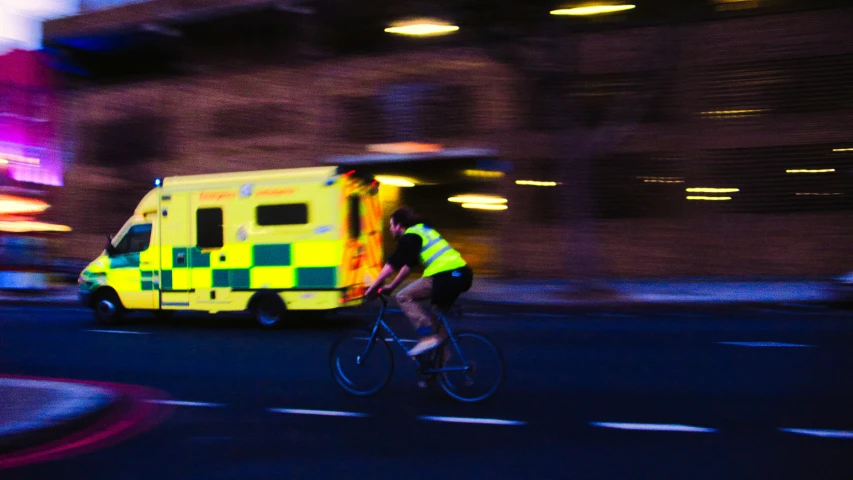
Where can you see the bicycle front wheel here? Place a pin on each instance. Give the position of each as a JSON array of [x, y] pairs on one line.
[[359, 368], [475, 367]]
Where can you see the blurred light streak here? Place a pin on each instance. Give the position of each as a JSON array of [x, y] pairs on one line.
[[422, 28], [10, 204], [395, 181], [822, 170], [7, 158], [484, 206], [699, 197], [712, 190], [661, 179], [404, 147], [842, 149], [484, 199], [536, 183], [726, 113], [31, 226], [483, 173], [816, 194], [592, 10]]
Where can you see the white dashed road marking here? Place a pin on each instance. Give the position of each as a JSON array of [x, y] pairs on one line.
[[183, 403], [125, 332], [655, 427], [481, 421], [819, 433], [322, 413], [766, 344]]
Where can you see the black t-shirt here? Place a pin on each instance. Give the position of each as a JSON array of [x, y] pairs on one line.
[[408, 252]]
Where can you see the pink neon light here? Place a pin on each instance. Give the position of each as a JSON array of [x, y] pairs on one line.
[[28, 117]]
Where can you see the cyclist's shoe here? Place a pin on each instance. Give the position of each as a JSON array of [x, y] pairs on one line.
[[425, 344]]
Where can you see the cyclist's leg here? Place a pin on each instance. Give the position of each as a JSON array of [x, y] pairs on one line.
[[411, 301], [411, 298]]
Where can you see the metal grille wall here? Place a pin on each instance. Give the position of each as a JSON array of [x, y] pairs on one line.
[[771, 180], [801, 84], [802, 178]]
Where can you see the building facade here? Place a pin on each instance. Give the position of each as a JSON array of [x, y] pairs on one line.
[[730, 154]]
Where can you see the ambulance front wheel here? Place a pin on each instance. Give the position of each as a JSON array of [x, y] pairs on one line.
[[269, 311], [107, 308]]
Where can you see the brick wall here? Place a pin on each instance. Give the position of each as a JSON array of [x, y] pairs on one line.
[[515, 243]]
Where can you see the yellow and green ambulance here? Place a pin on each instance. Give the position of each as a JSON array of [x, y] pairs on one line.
[[279, 243]]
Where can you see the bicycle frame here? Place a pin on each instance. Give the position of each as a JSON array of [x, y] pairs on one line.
[[380, 322]]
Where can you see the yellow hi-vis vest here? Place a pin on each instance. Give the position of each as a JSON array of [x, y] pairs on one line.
[[436, 254]]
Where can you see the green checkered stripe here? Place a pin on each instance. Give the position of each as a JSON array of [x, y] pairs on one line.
[[278, 255]]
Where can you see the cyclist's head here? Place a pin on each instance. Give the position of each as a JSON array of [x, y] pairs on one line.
[[403, 218]]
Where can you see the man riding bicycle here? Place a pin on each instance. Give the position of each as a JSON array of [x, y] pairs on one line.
[[446, 275]]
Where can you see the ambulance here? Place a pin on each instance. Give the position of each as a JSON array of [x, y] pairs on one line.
[[282, 244]]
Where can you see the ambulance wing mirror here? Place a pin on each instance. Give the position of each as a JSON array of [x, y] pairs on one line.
[[109, 248]]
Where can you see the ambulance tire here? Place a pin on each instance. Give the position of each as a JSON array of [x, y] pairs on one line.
[[107, 307], [269, 311]]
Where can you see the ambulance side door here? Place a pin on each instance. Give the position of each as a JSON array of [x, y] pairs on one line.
[[175, 285], [211, 280]]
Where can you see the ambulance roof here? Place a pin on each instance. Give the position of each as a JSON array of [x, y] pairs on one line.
[[308, 174]]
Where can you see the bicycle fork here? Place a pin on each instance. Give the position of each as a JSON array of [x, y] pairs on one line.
[[370, 341]]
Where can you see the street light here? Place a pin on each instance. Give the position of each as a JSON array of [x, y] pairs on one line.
[[596, 9], [422, 28]]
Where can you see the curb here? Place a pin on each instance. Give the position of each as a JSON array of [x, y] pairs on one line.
[[83, 405], [39, 300], [628, 304]]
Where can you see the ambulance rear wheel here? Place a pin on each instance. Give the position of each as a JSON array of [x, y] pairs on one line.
[[269, 311], [107, 308]]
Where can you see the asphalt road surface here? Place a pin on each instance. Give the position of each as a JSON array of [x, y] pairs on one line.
[[749, 393]]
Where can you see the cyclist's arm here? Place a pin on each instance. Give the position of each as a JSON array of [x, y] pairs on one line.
[[386, 272], [401, 275]]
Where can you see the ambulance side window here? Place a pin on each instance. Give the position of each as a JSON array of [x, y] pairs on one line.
[[209, 232], [135, 240], [283, 214], [354, 216]]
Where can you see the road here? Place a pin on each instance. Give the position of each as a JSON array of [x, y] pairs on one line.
[[660, 393]]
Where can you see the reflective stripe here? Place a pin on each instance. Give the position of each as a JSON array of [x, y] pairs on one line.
[[435, 255], [431, 243], [428, 234]]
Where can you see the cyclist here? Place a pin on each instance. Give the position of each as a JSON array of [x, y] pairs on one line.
[[446, 275]]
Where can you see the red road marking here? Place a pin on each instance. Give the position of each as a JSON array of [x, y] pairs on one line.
[[130, 417]]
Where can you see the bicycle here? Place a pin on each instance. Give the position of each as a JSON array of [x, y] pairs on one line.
[[470, 368]]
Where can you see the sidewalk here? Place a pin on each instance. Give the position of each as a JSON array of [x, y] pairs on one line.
[[34, 412], [64, 295], [563, 293]]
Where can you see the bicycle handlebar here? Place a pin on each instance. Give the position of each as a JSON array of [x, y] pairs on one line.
[[380, 295]]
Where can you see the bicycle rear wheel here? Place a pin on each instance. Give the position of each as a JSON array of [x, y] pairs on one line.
[[358, 369], [485, 367]]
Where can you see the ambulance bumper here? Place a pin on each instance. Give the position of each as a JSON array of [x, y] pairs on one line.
[[85, 298]]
